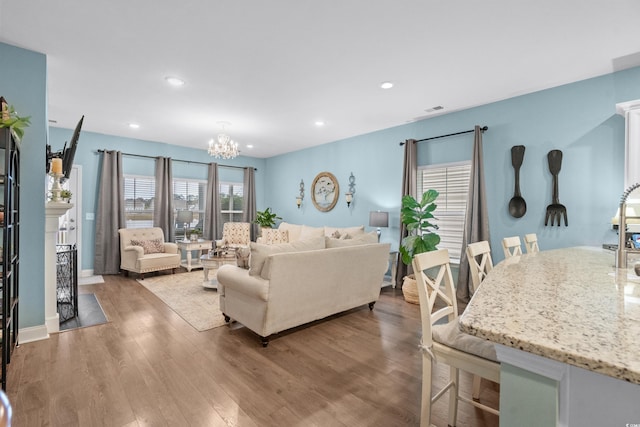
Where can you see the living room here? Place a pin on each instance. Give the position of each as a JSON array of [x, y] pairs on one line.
[[578, 118]]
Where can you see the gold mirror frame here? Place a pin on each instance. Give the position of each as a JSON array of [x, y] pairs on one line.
[[325, 191]]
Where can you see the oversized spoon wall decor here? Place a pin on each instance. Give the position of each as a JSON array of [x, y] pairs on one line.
[[517, 205]]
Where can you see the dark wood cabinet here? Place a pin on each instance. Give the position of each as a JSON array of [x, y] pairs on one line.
[[10, 249]]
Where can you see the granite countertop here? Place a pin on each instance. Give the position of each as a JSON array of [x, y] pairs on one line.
[[569, 305]]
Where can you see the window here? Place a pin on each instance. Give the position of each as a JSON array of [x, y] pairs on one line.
[[231, 201], [191, 195], [451, 180], [188, 194], [139, 194]]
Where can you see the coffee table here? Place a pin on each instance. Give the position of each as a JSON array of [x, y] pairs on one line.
[[213, 261]]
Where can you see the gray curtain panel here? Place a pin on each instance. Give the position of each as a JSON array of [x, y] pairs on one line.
[[249, 201], [409, 186], [110, 215], [212, 227], [476, 227], [163, 205]]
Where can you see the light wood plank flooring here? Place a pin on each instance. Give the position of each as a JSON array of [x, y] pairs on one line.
[[148, 367]]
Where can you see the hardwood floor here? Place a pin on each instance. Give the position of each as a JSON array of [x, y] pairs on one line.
[[148, 367]]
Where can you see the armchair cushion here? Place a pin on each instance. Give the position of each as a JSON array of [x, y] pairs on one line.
[[151, 246]]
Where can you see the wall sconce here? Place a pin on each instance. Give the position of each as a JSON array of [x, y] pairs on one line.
[[352, 189], [349, 198], [378, 219], [300, 197]]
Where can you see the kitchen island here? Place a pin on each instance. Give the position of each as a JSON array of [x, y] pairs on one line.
[[567, 328]]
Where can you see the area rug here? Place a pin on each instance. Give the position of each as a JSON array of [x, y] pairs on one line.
[[89, 314], [184, 293]]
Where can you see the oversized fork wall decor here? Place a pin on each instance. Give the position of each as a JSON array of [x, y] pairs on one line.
[[555, 211]]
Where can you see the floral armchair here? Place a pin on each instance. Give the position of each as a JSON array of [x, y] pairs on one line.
[[236, 234]]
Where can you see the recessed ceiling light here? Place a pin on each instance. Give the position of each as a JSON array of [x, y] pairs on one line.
[[386, 85], [134, 125], [174, 81], [249, 145], [319, 123]]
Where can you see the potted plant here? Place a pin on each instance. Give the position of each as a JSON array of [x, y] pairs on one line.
[[417, 216], [10, 119], [195, 234], [66, 195], [266, 218]]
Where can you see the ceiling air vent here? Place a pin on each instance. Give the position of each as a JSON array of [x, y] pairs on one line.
[[433, 109]]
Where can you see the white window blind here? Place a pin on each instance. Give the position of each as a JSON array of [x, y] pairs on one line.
[[451, 180], [139, 195]]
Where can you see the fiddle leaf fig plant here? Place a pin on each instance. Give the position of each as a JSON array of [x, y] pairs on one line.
[[417, 216], [266, 218]]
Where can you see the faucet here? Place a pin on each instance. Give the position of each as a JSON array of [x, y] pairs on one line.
[[621, 254]]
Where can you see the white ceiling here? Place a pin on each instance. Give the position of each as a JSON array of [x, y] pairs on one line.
[[272, 68]]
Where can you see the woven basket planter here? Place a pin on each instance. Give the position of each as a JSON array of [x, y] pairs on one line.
[[410, 289]]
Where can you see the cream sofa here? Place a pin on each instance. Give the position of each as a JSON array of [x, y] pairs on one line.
[[295, 283], [143, 250], [287, 232]]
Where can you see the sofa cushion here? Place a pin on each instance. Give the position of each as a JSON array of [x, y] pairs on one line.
[[151, 246], [361, 239], [311, 232], [292, 229], [260, 252], [271, 236]]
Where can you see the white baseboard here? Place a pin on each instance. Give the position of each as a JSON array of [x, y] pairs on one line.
[[86, 273], [33, 333]]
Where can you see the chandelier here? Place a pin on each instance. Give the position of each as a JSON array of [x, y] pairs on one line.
[[223, 147]]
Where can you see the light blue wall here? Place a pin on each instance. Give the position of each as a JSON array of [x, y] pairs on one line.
[[87, 156], [23, 77], [578, 119]]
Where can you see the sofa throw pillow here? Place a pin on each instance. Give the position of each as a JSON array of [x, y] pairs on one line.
[[271, 236], [308, 232], [151, 246], [293, 230], [242, 257], [260, 252]]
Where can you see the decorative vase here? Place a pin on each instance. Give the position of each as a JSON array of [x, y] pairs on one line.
[[410, 289]]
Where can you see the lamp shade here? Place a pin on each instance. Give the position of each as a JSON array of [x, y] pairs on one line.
[[378, 219], [184, 217]]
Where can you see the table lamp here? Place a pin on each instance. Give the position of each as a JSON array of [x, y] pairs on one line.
[[185, 218], [378, 219]]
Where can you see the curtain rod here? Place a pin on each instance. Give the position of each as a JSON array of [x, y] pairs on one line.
[[482, 129], [178, 160]]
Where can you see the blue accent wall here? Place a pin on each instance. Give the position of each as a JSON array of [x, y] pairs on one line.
[[23, 83], [577, 118]]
